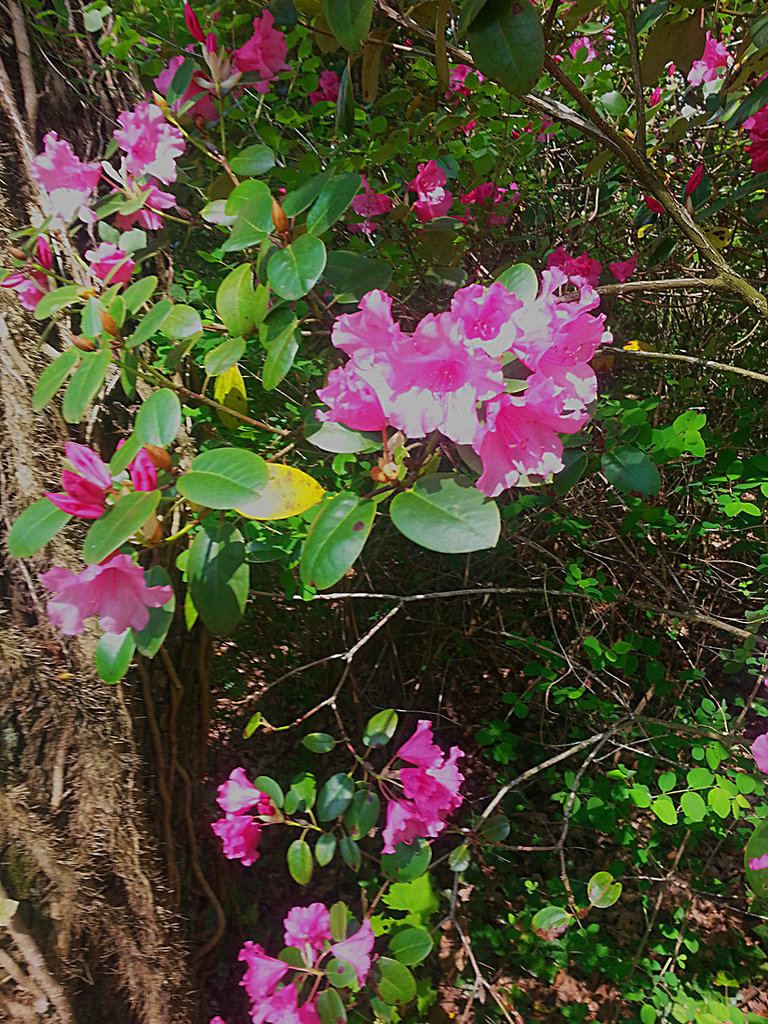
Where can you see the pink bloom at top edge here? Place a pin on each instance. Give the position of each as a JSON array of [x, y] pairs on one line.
[[624, 270], [579, 269], [371, 331], [67, 180], [327, 88], [308, 926], [356, 951], [85, 489], [434, 199], [758, 137], [110, 264], [238, 793], [758, 863], [115, 590], [193, 23], [420, 748], [264, 52], [203, 105], [760, 752], [152, 146], [458, 78], [31, 285], [583, 43], [263, 973], [705, 69], [239, 835]]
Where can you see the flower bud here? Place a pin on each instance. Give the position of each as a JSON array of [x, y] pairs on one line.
[[279, 218], [159, 456], [109, 323], [160, 101], [84, 344], [18, 254]]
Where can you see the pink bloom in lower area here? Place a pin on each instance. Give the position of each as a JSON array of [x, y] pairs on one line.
[[31, 285], [67, 180], [653, 204], [369, 204], [110, 264], [217, 1020], [327, 88], [578, 269], [758, 137], [115, 590], [351, 401], [583, 43], [513, 442], [496, 199], [262, 973], [624, 270], [759, 863], [706, 69], [356, 950], [760, 752], [308, 926], [434, 199], [264, 53], [237, 794], [457, 80], [240, 835], [152, 146], [202, 104], [155, 199], [86, 485]]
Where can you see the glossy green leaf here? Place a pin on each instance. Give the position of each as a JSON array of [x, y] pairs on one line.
[[240, 306], [629, 469], [521, 280], [268, 785], [118, 524], [340, 973], [84, 384], [302, 197], [299, 858], [159, 418], [253, 160], [335, 539], [124, 454], [251, 204], [362, 814], [550, 922], [114, 653], [337, 921], [350, 853], [380, 728], [507, 43], [224, 356], [150, 639], [52, 377], [301, 795], [494, 829], [719, 801], [36, 525], [351, 275], [330, 1007], [396, 985], [408, 862], [459, 858], [334, 797], [55, 300], [335, 437], [325, 848], [349, 20], [345, 104], [665, 810], [182, 321], [281, 352], [218, 576], [296, 269], [332, 202], [602, 890], [693, 807], [150, 323], [446, 513], [410, 946], [319, 742], [136, 294], [224, 478]]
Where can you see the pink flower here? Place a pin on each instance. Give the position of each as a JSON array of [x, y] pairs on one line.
[[263, 973], [484, 315], [85, 489], [202, 106], [433, 198], [758, 137], [715, 56], [490, 197], [760, 752], [583, 43], [351, 401], [369, 204], [31, 285], [356, 951], [624, 270], [110, 264], [237, 794], [143, 472], [264, 52], [152, 146], [758, 863], [513, 442], [217, 1020], [328, 88], [656, 96], [239, 834], [308, 926], [653, 204], [457, 80], [370, 331], [193, 23], [145, 216], [695, 180], [420, 748], [579, 270], [115, 590], [68, 182]]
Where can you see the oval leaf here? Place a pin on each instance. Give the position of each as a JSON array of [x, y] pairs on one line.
[[325, 848], [410, 946], [84, 384], [224, 356], [521, 280], [349, 20], [362, 814], [159, 418], [287, 492], [396, 984], [118, 525], [182, 322], [36, 525], [299, 858], [150, 639], [507, 44], [335, 539], [224, 478], [602, 890], [330, 1007], [332, 202], [237, 303], [380, 728], [295, 270], [550, 922], [151, 323], [114, 652], [319, 742], [350, 853], [218, 576], [52, 377], [446, 513], [334, 797], [408, 862], [629, 469]]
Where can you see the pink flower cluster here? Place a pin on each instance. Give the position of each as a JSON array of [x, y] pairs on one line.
[[89, 482], [496, 199], [433, 199], [67, 180], [239, 831], [109, 264], [308, 930], [581, 270], [327, 89], [583, 43], [707, 68], [451, 374], [430, 783], [457, 80], [196, 99], [368, 205], [31, 285]]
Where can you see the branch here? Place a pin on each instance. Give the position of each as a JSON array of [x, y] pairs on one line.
[[679, 357]]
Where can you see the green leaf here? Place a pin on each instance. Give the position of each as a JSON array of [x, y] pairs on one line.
[[396, 984], [114, 653], [268, 785], [469, 11], [218, 576], [58, 299], [758, 30], [330, 1007], [251, 204], [224, 356], [757, 846], [301, 795], [183, 321], [281, 352], [629, 469], [336, 438], [302, 197], [756, 100], [459, 858], [150, 639], [602, 890], [362, 814], [150, 323], [92, 20], [380, 728], [136, 294], [253, 160], [180, 81], [325, 848], [667, 782], [664, 810], [332, 202], [507, 44], [335, 539], [36, 525], [446, 513], [351, 275], [345, 104], [334, 797], [118, 524], [337, 922], [241, 307], [349, 20], [159, 418], [350, 853], [254, 723], [224, 478], [719, 801], [319, 742], [494, 829], [299, 858], [693, 807], [521, 280], [340, 973], [125, 454], [408, 862], [84, 384], [550, 922], [410, 946], [52, 377], [295, 270]]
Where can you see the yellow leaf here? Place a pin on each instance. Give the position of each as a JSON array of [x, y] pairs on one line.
[[289, 492], [229, 390], [638, 346], [719, 237]]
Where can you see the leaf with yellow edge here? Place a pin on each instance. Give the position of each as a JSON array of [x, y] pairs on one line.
[[288, 492], [229, 390], [638, 346]]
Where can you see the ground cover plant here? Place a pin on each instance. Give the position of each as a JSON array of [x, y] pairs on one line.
[[402, 368]]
